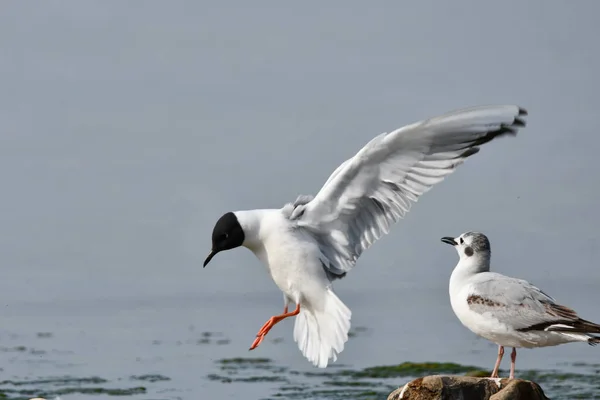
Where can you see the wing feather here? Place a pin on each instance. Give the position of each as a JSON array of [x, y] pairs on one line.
[[523, 306], [369, 192]]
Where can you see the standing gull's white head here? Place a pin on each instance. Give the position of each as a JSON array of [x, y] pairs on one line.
[[308, 244], [508, 311]]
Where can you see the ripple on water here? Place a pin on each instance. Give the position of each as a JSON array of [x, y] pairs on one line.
[[377, 382], [581, 380], [65, 385]]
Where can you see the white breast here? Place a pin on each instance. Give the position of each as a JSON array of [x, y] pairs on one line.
[[484, 324], [291, 257]]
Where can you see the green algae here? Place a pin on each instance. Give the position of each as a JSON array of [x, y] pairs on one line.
[[14, 394], [100, 390], [553, 376], [239, 364], [337, 382], [219, 378], [57, 381], [350, 383], [335, 394], [248, 379], [23, 389], [262, 379], [244, 361], [15, 349], [150, 378], [412, 369], [377, 382]]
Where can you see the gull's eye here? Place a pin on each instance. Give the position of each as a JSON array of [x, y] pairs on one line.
[[224, 236], [462, 241]]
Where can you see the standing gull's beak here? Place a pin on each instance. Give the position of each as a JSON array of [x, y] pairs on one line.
[[210, 256], [449, 240]]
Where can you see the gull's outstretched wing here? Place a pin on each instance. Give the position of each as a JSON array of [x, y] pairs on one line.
[[372, 190]]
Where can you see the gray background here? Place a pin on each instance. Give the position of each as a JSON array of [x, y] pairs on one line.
[[128, 128]]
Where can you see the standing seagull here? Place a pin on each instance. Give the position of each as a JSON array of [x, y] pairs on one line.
[[508, 311], [308, 244]]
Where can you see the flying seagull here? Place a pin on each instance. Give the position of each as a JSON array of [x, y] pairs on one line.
[[508, 311], [309, 243]]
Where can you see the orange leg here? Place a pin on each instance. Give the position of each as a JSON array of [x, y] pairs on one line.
[[271, 323]]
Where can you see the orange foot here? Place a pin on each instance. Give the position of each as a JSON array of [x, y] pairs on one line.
[[271, 323]]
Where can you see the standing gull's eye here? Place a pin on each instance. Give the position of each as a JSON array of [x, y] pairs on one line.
[[461, 241]]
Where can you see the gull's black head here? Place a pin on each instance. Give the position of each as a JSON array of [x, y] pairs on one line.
[[227, 234]]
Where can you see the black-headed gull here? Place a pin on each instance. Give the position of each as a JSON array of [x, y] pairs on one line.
[[508, 311], [308, 244]]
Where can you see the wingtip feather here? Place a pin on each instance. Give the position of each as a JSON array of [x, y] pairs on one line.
[[469, 152], [519, 122]]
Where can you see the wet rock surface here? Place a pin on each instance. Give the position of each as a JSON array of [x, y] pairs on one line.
[[449, 387]]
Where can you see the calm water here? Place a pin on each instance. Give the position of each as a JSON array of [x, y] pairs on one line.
[[125, 132], [173, 348]]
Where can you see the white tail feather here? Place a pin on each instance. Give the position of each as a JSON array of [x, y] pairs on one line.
[[321, 334], [575, 337]]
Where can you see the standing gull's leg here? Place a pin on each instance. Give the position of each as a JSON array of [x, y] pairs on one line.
[[271, 323], [513, 357], [498, 361]]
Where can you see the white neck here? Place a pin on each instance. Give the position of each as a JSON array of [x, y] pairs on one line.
[[250, 221], [466, 268]]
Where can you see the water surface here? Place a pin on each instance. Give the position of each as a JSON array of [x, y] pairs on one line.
[[126, 131]]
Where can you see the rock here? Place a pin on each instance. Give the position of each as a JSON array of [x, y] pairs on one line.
[[450, 387]]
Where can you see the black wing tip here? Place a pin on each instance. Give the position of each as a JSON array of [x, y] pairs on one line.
[[504, 130], [588, 326], [576, 326], [523, 111], [469, 152], [594, 341], [519, 122]]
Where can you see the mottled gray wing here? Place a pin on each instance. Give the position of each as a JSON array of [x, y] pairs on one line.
[[516, 303], [374, 189]]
